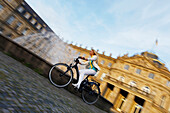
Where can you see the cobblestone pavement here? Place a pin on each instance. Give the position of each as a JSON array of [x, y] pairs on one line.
[[23, 90]]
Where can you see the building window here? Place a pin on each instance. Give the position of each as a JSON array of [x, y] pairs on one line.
[[43, 31], [18, 25], [126, 67], [162, 101], [1, 30], [110, 64], [33, 21], [84, 55], [1, 7], [27, 15], [78, 53], [103, 76], [146, 89], [44, 25], [138, 71], [102, 62], [132, 84], [20, 9], [168, 83], [25, 31], [120, 78], [9, 35], [151, 75], [38, 26], [10, 20]]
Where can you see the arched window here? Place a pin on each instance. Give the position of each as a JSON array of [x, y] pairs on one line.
[[146, 89], [132, 84], [20, 9], [121, 78], [162, 101]]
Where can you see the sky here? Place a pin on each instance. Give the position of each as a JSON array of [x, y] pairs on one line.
[[114, 26]]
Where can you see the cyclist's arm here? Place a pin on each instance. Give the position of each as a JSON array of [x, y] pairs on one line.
[[84, 63]]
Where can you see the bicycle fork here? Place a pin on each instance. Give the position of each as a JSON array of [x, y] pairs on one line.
[[68, 68]]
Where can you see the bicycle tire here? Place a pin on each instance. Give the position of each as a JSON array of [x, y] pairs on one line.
[[55, 75], [90, 93]]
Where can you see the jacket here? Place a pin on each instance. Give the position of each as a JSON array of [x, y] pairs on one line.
[[94, 59]]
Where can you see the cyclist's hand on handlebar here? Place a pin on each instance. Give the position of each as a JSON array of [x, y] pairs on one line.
[[82, 58]]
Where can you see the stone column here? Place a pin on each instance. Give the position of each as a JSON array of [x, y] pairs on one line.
[[110, 97], [103, 86], [146, 107], [128, 103], [114, 94], [167, 103]]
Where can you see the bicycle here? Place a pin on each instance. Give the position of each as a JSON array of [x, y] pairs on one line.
[[61, 75]]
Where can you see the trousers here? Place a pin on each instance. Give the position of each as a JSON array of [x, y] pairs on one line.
[[84, 72]]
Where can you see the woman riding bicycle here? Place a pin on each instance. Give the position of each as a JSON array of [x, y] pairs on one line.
[[93, 69]]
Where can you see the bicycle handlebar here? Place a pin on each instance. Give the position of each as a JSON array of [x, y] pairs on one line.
[[77, 59]]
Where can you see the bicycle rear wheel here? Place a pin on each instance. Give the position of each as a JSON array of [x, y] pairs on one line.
[[60, 75], [90, 93]]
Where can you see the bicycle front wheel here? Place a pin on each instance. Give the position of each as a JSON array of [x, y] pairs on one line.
[[60, 75], [90, 93]]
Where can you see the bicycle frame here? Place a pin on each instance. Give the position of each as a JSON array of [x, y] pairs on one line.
[[89, 90], [76, 68]]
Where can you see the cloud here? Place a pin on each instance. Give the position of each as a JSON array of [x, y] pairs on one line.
[[57, 18], [140, 23], [113, 26]]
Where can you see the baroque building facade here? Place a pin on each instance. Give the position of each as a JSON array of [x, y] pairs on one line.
[[17, 18], [137, 84]]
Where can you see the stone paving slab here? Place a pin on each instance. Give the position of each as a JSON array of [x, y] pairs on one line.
[[23, 90]]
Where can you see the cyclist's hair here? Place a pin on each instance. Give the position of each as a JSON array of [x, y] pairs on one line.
[[95, 53]]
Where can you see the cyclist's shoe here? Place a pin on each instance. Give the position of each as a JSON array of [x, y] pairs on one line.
[[76, 86]]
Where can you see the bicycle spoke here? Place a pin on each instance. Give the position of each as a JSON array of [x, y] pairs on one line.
[[60, 75]]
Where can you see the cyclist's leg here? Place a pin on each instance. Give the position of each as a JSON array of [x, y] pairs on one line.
[[84, 72]]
